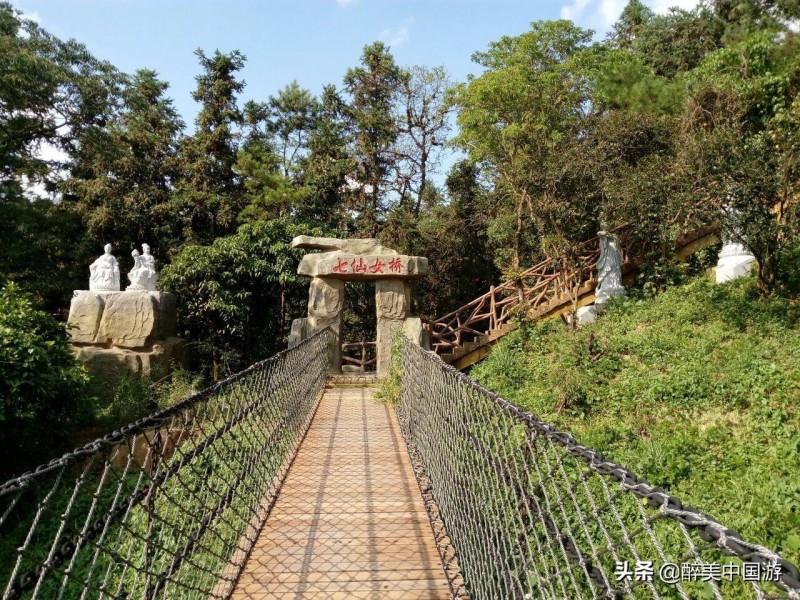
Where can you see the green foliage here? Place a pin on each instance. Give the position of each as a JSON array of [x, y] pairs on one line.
[[124, 185], [52, 92], [137, 395], [292, 118], [694, 390], [679, 40], [327, 164], [42, 389], [373, 87], [237, 292], [389, 390], [461, 263], [42, 234], [519, 118], [210, 197], [739, 149]]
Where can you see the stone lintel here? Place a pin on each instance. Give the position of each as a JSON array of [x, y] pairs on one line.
[[363, 267], [352, 246]]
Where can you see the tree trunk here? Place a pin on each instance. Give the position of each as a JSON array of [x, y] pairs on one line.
[[282, 311], [518, 236]]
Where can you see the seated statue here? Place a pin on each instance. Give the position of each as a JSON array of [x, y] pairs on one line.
[[143, 276], [104, 273]]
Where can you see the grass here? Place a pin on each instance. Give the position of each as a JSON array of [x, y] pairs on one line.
[[697, 390]]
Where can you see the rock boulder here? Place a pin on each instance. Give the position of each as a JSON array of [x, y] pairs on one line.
[[85, 313]]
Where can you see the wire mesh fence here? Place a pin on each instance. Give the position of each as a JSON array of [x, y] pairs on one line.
[[522, 510], [168, 506]]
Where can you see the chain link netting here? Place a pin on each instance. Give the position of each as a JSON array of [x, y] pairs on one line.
[[168, 506], [521, 510]]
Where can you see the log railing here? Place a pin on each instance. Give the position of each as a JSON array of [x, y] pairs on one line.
[[360, 354]]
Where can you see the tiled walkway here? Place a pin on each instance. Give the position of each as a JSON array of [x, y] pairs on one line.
[[349, 521]]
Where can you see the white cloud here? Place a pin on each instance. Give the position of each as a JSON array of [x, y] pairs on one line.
[[398, 36], [345, 3], [600, 15]]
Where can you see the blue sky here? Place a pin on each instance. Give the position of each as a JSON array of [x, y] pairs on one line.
[[312, 41]]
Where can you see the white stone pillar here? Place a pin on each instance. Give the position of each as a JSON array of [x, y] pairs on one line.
[[735, 259]]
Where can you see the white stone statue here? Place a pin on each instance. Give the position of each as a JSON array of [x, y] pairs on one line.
[[104, 273], [735, 259], [143, 276], [609, 269]]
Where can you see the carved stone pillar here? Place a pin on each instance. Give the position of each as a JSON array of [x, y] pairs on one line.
[[325, 306], [393, 302]]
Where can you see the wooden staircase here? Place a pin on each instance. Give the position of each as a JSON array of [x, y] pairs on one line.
[[547, 290]]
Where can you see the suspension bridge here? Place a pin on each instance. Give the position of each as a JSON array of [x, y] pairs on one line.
[[280, 482]]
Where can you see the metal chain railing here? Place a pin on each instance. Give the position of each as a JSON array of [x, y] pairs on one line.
[[528, 512], [168, 506]]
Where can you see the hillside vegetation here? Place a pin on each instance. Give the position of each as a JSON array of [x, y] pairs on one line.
[[696, 390]]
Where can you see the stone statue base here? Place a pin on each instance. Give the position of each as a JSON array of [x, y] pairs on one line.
[[586, 314], [114, 333], [733, 266]]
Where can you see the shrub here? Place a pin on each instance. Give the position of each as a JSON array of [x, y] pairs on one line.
[[42, 388]]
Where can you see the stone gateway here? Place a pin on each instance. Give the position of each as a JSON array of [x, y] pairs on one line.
[[358, 260]]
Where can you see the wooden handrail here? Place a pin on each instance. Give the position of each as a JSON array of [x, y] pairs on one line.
[[545, 282], [363, 362]]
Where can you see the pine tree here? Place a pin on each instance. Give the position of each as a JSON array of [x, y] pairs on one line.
[[210, 196], [373, 89], [126, 188]]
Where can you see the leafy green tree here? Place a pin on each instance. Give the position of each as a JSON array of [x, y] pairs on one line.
[[52, 93], [43, 390], [678, 41], [292, 118], [55, 99], [268, 192], [634, 17], [324, 170], [516, 119], [461, 262], [126, 189], [236, 293], [423, 125], [210, 194], [373, 87], [745, 17], [740, 145], [271, 158], [625, 82], [44, 247]]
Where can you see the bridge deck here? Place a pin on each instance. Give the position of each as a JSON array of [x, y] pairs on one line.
[[349, 521]]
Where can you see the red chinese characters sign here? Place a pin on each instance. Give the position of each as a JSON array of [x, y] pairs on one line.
[[378, 265]]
